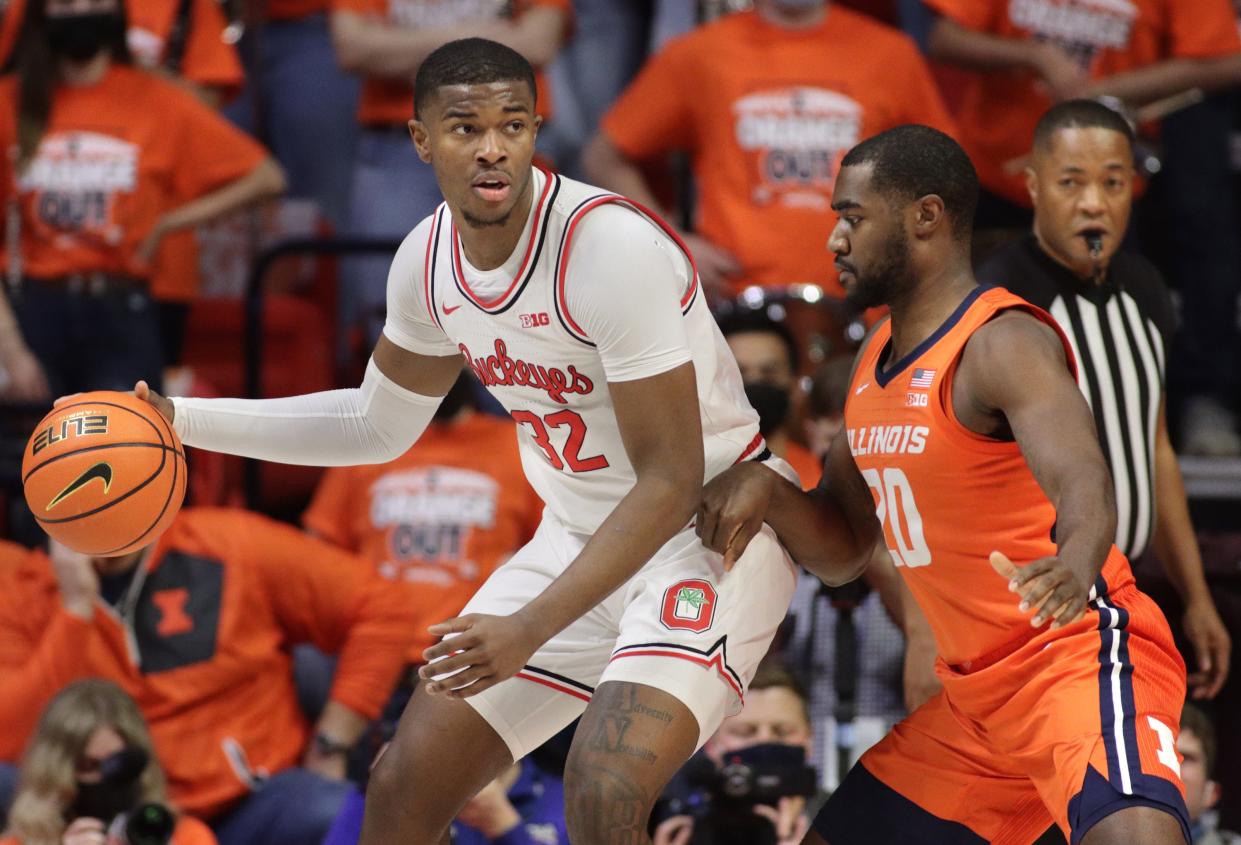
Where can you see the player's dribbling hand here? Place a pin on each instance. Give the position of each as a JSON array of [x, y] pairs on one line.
[[733, 507], [85, 831], [162, 404], [485, 651], [1048, 587]]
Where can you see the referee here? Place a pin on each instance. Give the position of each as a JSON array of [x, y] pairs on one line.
[[1118, 316]]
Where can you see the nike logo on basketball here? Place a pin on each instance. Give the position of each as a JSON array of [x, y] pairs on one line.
[[860, 389], [448, 309], [101, 471]]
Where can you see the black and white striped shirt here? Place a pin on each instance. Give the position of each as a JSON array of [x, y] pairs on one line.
[[1120, 330]]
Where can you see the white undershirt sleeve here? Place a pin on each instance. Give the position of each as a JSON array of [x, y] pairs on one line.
[[623, 287], [371, 424], [374, 423]]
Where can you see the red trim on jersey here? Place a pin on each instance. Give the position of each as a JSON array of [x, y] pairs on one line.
[[716, 662], [517, 277], [751, 448], [568, 690], [654, 218], [426, 267]]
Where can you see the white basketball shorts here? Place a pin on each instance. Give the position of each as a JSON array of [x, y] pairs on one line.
[[680, 624]]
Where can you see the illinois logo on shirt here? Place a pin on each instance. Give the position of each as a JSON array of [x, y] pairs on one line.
[[73, 182], [798, 136], [689, 605]]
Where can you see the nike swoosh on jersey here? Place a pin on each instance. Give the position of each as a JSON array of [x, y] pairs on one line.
[[448, 309], [101, 471], [860, 389]]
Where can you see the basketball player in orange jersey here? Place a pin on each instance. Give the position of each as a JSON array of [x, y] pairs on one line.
[[967, 438]]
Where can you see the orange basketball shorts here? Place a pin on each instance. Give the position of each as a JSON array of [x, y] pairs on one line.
[[1070, 727]]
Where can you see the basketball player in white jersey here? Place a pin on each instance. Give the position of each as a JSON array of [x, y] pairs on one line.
[[583, 315]]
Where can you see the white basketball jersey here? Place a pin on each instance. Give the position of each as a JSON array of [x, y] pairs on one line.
[[526, 348]]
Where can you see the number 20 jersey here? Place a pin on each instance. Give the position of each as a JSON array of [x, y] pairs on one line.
[[946, 496], [526, 348]]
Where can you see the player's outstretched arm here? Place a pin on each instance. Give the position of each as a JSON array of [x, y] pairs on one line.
[[1013, 372], [831, 531], [373, 423], [662, 435]]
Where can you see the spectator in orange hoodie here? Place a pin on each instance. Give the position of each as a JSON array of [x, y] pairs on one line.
[[89, 726], [198, 628]]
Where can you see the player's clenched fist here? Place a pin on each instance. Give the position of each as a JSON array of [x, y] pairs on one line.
[[733, 507], [483, 651], [1047, 586]]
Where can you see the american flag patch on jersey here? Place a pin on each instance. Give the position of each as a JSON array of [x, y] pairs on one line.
[[922, 378]]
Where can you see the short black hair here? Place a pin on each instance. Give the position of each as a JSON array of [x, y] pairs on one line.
[[1080, 114], [757, 321], [913, 161], [470, 61]]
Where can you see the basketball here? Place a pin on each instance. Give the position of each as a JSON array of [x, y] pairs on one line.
[[104, 473]]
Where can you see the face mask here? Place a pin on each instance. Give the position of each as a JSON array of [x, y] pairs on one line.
[[81, 37], [771, 402], [117, 792]]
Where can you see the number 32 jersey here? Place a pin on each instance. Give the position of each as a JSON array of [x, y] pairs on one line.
[[948, 497], [597, 290]]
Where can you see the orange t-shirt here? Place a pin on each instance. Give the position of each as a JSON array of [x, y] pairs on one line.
[[809, 468], [438, 520], [115, 156], [208, 59], [999, 109], [766, 114], [948, 497], [189, 831], [207, 652], [390, 102]]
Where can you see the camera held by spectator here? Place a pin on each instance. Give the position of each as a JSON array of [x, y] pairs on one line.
[[89, 777], [751, 785]]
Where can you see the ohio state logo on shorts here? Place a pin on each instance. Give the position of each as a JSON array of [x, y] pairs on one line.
[[688, 606]]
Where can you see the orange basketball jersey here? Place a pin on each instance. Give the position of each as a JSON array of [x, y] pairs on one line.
[[948, 497]]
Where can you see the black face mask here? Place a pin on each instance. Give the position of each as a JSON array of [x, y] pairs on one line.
[[117, 792], [81, 37], [771, 402]]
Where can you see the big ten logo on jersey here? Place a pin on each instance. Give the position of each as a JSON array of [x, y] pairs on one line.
[[799, 135], [428, 515], [533, 321], [74, 179], [78, 425]]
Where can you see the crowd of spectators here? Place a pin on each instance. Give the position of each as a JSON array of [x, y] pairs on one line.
[[235, 681]]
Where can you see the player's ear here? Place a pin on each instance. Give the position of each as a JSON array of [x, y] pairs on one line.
[[929, 215], [422, 139], [1032, 185]]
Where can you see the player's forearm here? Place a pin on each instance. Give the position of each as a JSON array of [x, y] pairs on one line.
[[609, 168], [818, 534], [654, 510], [375, 423], [951, 42], [1175, 542], [1085, 520], [1164, 79]]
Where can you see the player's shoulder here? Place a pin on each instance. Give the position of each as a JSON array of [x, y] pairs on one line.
[[1010, 340]]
